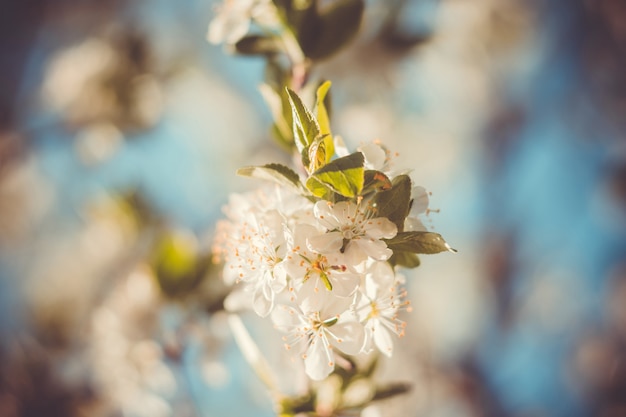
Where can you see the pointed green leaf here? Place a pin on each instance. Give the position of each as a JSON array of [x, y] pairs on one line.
[[343, 175], [418, 242], [404, 259], [331, 29], [305, 127], [319, 189], [281, 129], [394, 204], [278, 173], [321, 111], [323, 121]]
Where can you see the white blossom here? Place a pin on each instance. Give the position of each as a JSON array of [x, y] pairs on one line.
[[316, 275], [253, 245], [352, 230], [378, 307], [234, 17], [316, 329]]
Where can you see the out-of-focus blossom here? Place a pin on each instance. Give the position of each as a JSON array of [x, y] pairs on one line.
[[234, 18]]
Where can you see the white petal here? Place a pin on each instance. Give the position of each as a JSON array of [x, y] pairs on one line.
[[376, 249], [344, 284], [334, 306], [279, 281], [382, 338], [319, 361], [349, 336], [374, 154], [345, 212], [302, 233], [355, 254], [380, 228], [285, 317], [324, 213], [294, 268], [420, 200], [262, 305], [326, 243], [379, 278], [413, 224], [340, 147]]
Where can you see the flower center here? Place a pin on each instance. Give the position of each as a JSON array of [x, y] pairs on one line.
[[375, 311], [319, 264]]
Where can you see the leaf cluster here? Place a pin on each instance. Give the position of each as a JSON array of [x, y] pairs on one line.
[[320, 32], [344, 178]]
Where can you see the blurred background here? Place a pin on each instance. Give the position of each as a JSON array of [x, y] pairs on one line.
[[120, 132]]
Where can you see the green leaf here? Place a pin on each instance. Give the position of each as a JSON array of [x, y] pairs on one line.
[[319, 189], [418, 242], [321, 111], [343, 176], [281, 128], [278, 173], [404, 259], [258, 45], [375, 181], [331, 29], [394, 204], [305, 127], [178, 266]]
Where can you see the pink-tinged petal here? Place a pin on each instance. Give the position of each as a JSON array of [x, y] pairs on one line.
[[375, 249], [382, 338], [326, 243], [262, 306], [413, 224], [319, 360], [349, 336], [380, 228]]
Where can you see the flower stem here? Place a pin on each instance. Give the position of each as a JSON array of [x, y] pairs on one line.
[[252, 354]]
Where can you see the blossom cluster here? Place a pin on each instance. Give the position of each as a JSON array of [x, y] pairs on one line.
[[319, 269]]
